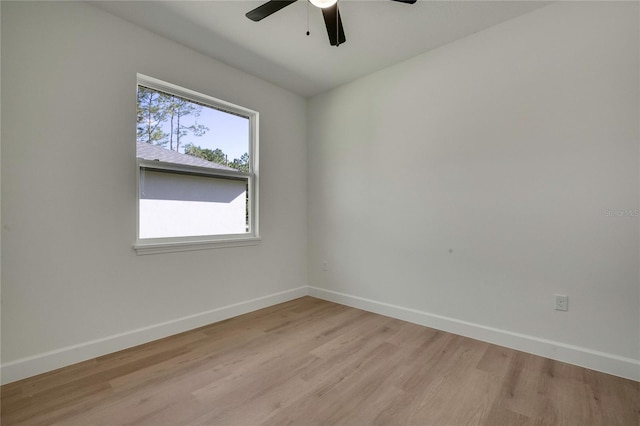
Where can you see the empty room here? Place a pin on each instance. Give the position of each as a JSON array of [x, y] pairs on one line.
[[320, 212]]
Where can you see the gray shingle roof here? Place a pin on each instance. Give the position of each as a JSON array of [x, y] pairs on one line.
[[147, 151]]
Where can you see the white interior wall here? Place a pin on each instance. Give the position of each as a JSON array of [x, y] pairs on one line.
[[69, 273], [470, 184]]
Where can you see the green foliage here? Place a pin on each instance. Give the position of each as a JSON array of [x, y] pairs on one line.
[[241, 164], [218, 156], [151, 113], [181, 108], [156, 109], [215, 155]]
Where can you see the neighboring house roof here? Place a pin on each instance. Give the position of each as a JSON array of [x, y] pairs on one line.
[[147, 151]]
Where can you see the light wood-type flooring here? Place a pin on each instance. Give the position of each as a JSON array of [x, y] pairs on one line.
[[312, 362]]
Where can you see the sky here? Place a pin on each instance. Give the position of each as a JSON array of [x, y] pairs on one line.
[[228, 132]]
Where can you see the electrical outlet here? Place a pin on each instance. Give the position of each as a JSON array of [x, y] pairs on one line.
[[562, 302], [325, 266]]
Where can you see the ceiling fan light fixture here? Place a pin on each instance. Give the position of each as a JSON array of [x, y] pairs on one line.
[[322, 4], [330, 13]]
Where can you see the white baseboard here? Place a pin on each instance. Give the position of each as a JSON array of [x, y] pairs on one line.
[[41, 363], [594, 360]]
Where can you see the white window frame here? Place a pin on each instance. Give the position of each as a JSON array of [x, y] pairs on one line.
[[175, 244]]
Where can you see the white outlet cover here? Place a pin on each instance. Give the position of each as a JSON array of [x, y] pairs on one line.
[[561, 302]]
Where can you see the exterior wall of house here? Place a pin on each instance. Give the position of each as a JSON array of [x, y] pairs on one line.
[[173, 205]]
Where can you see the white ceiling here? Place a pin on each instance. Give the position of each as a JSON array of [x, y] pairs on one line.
[[379, 33]]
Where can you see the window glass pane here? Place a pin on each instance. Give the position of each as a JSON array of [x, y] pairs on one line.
[[186, 127]]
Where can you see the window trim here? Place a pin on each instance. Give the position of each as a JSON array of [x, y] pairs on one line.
[[188, 243]]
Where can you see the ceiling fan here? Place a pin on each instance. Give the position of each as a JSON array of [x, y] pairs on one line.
[[330, 12]]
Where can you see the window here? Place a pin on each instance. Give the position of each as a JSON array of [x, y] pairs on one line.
[[197, 170]]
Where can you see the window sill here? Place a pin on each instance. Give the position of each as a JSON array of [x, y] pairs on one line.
[[157, 248]]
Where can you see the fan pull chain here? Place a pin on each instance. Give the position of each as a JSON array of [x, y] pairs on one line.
[[308, 18], [337, 25]]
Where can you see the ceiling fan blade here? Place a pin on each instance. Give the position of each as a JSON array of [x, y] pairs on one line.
[[269, 8], [406, 1], [333, 22]]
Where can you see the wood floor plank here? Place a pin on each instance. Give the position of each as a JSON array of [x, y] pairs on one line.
[[313, 362], [340, 389]]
